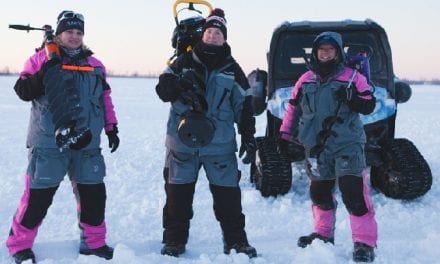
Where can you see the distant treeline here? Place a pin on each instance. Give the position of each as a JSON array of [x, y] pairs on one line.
[[433, 81]]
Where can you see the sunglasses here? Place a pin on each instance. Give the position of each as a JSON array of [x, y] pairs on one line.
[[70, 14]]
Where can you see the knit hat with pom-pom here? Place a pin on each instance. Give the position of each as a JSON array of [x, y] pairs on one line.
[[216, 19]]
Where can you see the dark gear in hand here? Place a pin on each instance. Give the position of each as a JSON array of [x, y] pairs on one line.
[[113, 139], [282, 146], [355, 102], [248, 145], [190, 80], [193, 90], [292, 149], [168, 88], [345, 94]]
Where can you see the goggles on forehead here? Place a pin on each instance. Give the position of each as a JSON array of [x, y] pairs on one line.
[[70, 14]]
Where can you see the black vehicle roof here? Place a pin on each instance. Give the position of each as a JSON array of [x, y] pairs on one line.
[[328, 25]]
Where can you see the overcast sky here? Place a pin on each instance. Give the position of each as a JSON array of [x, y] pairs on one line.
[[135, 35]]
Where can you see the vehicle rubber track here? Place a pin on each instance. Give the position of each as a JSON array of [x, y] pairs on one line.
[[272, 172], [404, 174]]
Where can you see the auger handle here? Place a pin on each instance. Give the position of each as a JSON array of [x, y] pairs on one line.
[[191, 4], [24, 27]]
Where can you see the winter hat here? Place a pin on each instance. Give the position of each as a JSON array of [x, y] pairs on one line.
[[330, 38], [327, 40], [69, 20], [216, 19]]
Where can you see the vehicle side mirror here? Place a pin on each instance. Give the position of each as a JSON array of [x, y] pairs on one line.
[[258, 89], [403, 92]]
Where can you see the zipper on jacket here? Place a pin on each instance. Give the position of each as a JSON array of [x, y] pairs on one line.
[[98, 79], [225, 92]]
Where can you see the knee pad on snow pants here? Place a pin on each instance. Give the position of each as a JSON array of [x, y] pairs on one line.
[[92, 202], [39, 202], [351, 188], [177, 211], [321, 193], [228, 211]]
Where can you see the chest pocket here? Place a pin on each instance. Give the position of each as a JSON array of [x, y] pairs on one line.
[[221, 98], [309, 100]]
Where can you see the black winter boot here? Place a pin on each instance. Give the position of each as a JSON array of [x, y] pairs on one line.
[[105, 252], [172, 249], [24, 255], [228, 211], [304, 241], [363, 252], [242, 247]]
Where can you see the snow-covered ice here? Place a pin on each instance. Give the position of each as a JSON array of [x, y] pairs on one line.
[[409, 232]]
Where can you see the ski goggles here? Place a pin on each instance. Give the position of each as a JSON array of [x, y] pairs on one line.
[[70, 14]]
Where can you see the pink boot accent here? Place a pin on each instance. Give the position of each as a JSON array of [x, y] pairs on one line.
[[21, 237], [364, 228], [93, 236], [324, 221]]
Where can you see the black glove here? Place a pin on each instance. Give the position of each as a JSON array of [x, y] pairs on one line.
[[355, 103], [345, 94], [283, 146], [248, 145], [113, 139], [168, 87]]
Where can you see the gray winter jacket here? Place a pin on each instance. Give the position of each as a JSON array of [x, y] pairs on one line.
[[225, 96], [90, 87], [316, 101]]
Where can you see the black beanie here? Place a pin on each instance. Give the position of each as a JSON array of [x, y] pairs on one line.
[[216, 19], [69, 20]]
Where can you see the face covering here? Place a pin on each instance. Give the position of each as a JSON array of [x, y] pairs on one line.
[[326, 68], [211, 55]]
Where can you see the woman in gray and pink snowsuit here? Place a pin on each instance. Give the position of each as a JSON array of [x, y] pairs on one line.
[[323, 115], [68, 89]]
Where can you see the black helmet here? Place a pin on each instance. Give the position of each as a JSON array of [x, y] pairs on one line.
[[195, 130]]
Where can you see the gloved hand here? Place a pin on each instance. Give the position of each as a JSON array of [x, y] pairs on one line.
[[248, 145], [345, 95], [355, 101], [113, 139], [168, 87], [283, 146]]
